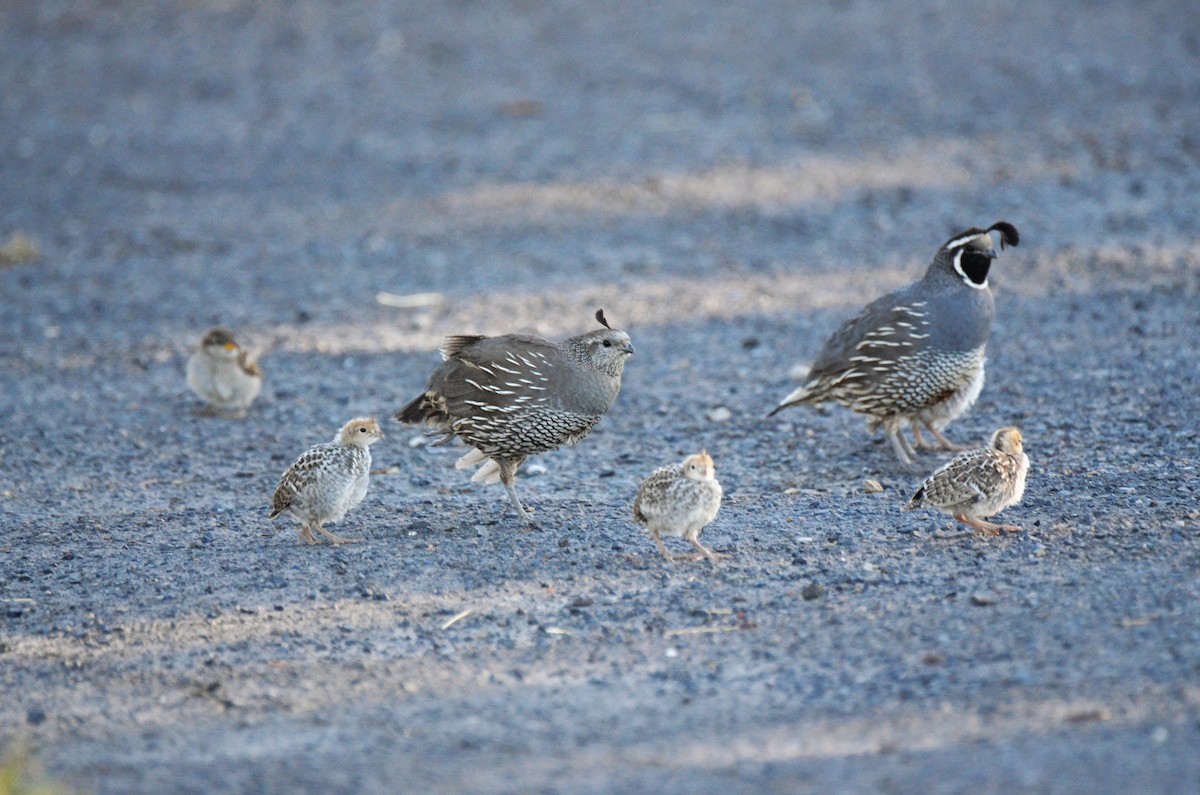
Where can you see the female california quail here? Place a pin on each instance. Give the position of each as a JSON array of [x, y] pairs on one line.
[[680, 500], [978, 483], [916, 354], [516, 395], [328, 480], [222, 374]]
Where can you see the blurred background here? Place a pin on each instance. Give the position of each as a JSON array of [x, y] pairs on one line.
[[274, 163]]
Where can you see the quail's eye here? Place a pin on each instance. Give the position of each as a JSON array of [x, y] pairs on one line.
[[608, 343], [362, 430]]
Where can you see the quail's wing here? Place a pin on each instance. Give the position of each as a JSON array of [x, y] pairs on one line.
[[966, 478], [454, 344], [651, 496], [496, 371], [249, 363], [881, 330], [298, 476]]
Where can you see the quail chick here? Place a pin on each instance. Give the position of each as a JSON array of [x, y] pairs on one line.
[[979, 483], [680, 500], [328, 480], [223, 374], [516, 395], [916, 354]]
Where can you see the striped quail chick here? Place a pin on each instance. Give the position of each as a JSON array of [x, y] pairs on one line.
[[978, 483], [916, 354], [328, 480], [680, 500], [516, 395], [223, 374]]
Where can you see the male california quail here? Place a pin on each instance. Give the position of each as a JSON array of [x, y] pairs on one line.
[[512, 396], [916, 354], [978, 483], [222, 374], [328, 480], [680, 500]]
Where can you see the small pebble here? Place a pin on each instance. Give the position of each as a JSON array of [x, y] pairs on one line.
[[36, 716], [814, 590], [983, 599], [1090, 716], [872, 486]]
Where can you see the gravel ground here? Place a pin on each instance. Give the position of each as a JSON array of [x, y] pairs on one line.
[[728, 182]]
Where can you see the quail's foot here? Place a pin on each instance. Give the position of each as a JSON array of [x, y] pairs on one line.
[[334, 538], [945, 443], [706, 554], [988, 528]]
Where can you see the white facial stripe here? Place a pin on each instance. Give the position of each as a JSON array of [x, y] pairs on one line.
[[962, 241], [966, 280]]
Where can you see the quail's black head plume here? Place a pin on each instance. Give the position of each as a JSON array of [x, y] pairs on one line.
[[516, 395], [916, 354]]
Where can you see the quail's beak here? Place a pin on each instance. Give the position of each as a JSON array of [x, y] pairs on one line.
[[231, 346], [991, 253], [628, 349]]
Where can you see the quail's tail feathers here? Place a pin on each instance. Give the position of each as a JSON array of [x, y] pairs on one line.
[[799, 397], [916, 500], [416, 412]]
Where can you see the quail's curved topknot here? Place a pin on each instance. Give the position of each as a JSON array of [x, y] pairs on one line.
[[600, 318], [1009, 236]]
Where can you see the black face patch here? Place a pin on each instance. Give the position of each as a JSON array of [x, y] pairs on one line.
[[975, 266]]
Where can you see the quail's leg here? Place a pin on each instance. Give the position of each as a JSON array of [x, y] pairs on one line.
[[919, 442], [987, 528], [334, 538], [662, 548], [900, 444], [306, 536], [942, 440], [508, 472]]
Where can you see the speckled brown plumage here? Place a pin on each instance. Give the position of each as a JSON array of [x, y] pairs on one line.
[[328, 480], [680, 500], [979, 483]]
